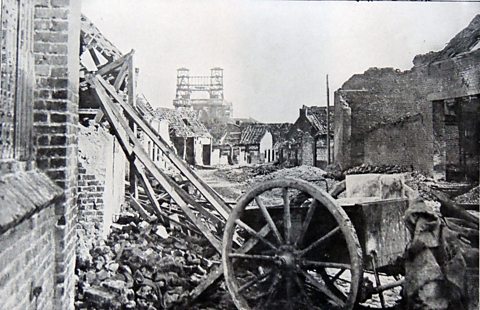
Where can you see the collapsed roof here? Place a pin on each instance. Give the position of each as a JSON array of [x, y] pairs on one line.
[[182, 123]]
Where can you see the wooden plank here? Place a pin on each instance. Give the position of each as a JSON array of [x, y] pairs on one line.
[[94, 56], [216, 201], [114, 64], [118, 122], [131, 100], [121, 76], [139, 208], [150, 193], [98, 116]]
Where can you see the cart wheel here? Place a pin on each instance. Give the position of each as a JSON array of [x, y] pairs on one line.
[[290, 233]]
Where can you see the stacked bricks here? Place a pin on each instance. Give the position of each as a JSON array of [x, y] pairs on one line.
[[27, 258], [90, 208], [56, 48]]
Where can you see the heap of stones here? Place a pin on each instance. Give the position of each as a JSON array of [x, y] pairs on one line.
[[143, 265]]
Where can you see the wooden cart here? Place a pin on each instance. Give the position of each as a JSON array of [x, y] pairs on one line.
[[316, 251]]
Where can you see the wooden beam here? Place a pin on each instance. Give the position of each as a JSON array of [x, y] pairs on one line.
[[121, 76], [118, 123], [137, 206], [114, 64], [150, 193], [213, 198], [94, 56], [98, 116]]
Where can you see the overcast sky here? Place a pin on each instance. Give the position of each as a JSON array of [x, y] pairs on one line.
[[275, 54]]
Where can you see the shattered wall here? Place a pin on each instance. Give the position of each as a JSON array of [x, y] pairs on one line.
[[101, 189], [373, 109]]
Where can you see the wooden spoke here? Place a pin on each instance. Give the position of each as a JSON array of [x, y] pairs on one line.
[[254, 233], [269, 220], [270, 293], [319, 241], [287, 219], [311, 263], [323, 289], [288, 288], [252, 256], [289, 251], [254, 281], [338, 274], [303, 292], [306, 223]]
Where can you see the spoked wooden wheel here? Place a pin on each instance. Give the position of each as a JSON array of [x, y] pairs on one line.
[[278, 242]]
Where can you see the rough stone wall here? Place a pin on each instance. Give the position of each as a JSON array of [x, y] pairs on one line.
[[27, 260], [383, 96], [56, 48]]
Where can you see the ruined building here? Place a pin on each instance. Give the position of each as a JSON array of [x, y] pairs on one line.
[[305, 143], [426, 118], [204, 95]]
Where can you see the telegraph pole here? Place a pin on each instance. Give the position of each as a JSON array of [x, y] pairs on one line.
[[328, 123]]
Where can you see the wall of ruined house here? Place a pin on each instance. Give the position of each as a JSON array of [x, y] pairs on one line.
[[37, 192], [307, 150], [392, 139], [383, 96], [201, 152], [101, 190], [342, 131]]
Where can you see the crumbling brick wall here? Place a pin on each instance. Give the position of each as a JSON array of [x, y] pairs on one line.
[[391, 138], [385, 96], [90, 208], [101, 190]]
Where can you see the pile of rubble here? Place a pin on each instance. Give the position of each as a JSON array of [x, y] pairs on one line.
[[386, 169], [307, 173], [142, 266], [470, 197]]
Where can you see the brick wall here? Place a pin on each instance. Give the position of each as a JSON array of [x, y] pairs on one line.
[[90, 208], [56, 49], [27, 261], [391, 139], [101, 190], [37, 211], [382, 96]]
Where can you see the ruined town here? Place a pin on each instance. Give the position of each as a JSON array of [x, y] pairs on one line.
[[367, 199]]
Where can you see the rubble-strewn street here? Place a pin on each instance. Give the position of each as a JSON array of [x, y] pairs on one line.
[[212, 155]]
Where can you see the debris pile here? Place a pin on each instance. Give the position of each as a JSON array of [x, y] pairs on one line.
[[307, 173], [386, 169], [470, 197], [142, 266]]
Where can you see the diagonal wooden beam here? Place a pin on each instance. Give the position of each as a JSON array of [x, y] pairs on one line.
[[134, 147], [137, 206], [121, 76], [212, 197], [114, 64], [150, 192]]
